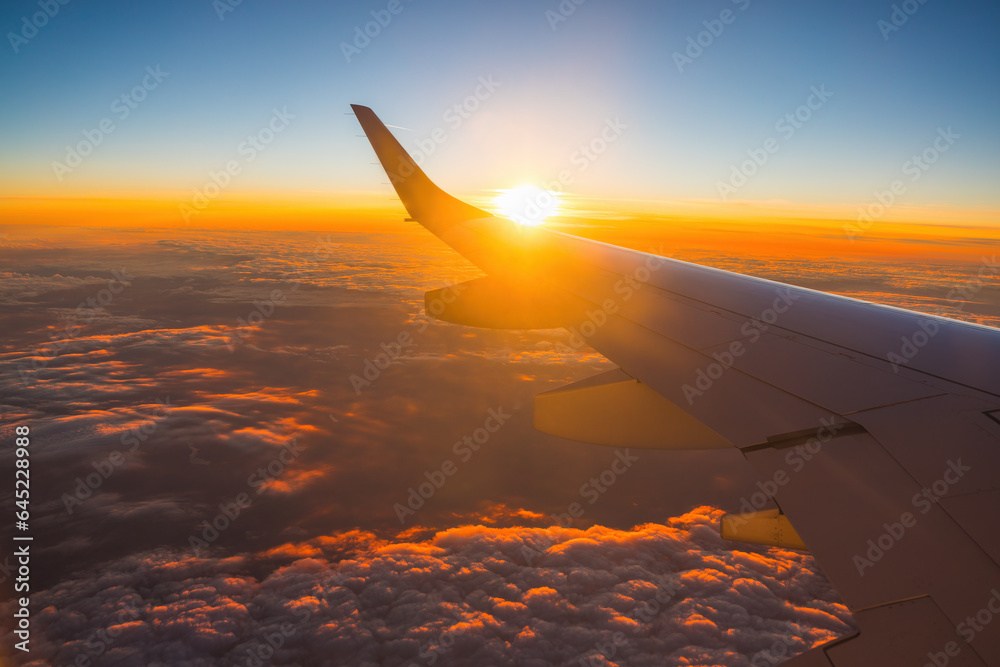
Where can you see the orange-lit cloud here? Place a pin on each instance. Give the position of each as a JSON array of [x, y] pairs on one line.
[[674, 594]]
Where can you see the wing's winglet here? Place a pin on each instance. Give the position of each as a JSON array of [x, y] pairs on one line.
[[426, 203]]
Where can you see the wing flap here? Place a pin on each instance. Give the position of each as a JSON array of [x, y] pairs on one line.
[[770, 527], [616, 410], [494, 303]]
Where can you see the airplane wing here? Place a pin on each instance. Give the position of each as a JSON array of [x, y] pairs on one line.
[[875, 430]]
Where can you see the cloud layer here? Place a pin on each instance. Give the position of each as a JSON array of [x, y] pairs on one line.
[[196, 364], [674, 594]]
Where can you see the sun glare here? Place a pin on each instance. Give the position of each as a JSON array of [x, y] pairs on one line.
[[527, 204]]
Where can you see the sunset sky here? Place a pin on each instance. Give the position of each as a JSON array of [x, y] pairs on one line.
[[192, 171], [554, 83]]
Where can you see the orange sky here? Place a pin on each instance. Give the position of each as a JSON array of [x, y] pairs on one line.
[[770, 229]]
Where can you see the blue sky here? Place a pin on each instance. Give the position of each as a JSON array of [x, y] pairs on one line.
[[559, 82]]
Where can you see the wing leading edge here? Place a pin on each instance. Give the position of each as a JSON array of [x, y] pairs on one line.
[[887, 466]]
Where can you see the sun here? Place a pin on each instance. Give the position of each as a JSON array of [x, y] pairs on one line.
[[526, 204]]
